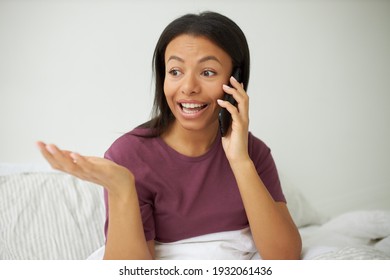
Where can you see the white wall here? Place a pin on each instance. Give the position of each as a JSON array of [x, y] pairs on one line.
[[78, 73]]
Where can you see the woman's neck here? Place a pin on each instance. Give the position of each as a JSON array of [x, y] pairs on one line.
[[187, 142]]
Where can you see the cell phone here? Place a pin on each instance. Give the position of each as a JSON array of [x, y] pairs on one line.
[[225, 119]]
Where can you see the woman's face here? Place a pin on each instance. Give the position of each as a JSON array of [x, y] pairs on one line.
[[196, 69]]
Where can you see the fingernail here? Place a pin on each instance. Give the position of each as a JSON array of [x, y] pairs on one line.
[[220, 101], [39, 144], [225, 86], [51, 149], [74, 157]]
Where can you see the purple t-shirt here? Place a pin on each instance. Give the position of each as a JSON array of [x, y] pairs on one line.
[[182, 197]]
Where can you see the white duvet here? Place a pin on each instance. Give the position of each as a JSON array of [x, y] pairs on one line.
[[353, 235], [359, 235], [228, 245]]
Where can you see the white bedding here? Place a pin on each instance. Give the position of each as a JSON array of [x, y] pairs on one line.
[[335, 240], [352, 235], [51, 215], [229, 245]]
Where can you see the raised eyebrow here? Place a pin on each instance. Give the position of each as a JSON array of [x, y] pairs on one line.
[[203, 59], [209, 57], [174, 57]]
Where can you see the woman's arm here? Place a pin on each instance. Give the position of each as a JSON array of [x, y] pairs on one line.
[[273, 230], [125, 237]]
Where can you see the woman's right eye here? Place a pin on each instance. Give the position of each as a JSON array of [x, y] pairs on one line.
[[174, 72]]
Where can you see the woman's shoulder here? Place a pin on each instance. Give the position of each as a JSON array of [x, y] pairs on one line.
[[256, 144], [130, 143], [135, 135]]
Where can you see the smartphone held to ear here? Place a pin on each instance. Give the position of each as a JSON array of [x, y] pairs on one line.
[[225, 119]]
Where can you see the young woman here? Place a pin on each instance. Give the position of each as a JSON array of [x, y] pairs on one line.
[[173, 183]]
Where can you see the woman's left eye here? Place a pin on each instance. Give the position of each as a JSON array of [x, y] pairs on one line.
[[208, 73]]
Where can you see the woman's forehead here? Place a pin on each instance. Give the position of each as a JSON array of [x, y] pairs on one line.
[[195, 47]]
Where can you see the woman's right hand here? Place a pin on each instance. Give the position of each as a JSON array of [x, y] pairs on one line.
[[97, 170], [125, 236]]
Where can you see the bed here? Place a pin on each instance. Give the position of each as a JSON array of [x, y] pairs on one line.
[[48, 215]]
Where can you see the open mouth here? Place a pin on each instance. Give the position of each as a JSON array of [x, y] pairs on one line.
[[192, 108]]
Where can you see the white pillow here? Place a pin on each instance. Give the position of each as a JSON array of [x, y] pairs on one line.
[[302, 212], [49, 216]]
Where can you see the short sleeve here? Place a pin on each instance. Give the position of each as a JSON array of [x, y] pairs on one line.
[[266, 167]]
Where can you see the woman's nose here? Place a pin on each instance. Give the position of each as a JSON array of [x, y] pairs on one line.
[[190, 85]]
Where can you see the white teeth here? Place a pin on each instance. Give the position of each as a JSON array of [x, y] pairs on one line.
[[191, 105], [192, 108], [187, 111]]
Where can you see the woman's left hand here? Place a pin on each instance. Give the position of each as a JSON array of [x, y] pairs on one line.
[[235, 142]]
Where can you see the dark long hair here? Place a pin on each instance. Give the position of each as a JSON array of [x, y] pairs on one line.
[[216, 27]]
